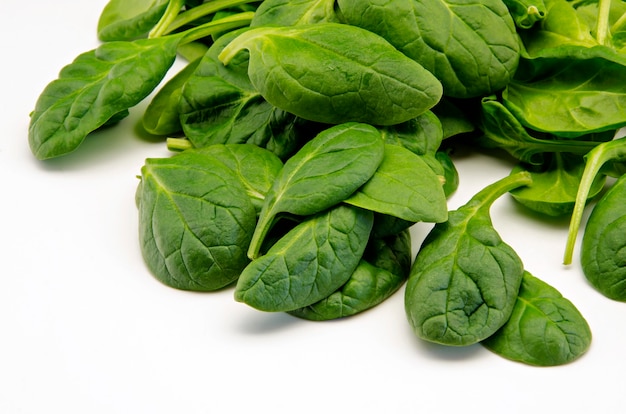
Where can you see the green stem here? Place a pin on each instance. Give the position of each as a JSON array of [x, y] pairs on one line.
[[595, 159], [202, 10], [486, 197], [173, 8], [178, 144], [617, 26], [602, 27], [217, 26]]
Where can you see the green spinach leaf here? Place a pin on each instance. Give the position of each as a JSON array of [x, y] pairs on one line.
[[545, 329], [471, 46], [465, 279], [96, 86], [195, 221], [350, 74], [324, 172], [403, 186], [526, 12], [603, 251], [309, 263], [380, 274], [129, 19]]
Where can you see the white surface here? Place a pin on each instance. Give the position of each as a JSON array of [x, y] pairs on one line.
[[86, 329]]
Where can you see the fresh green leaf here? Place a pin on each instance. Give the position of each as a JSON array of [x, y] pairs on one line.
[[96, 86], [195, 221], [350, 74], [292, 13], [465, 279], [545, 329], [471, 46], [326, 171], [129, 19], [375, 279], [307, 264], [403, 186], [603, 251]]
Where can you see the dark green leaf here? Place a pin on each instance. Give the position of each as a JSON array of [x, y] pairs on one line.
[[545, 329], [465, 279], [309, 263], [195, 221], [95, 87]]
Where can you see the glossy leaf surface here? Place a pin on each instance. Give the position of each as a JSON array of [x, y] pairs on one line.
[[324, 172], [465, 279], [195, 221], [351, 74], [291, 13], [603, 251], [309, 263], [379, 275], [129, 19], [545, 329], [470, 46], [96, 86]]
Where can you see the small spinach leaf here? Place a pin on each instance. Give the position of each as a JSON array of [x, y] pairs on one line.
[[545, 329], [309, 263], [555, 185], [129, 19], [96, 86], [403, 186], [465, 279], [324, 172], [379, 275]]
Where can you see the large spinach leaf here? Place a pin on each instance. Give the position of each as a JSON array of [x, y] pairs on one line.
[[195, 221], [545, 329], [471, 46], [96, 86], [351, 74], [324, 172], [309, 263], [465, 279]]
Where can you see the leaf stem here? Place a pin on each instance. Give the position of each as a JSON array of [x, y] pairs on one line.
[[485, 197], [595, 159], [602, 26], [173, 8], [202, 10], [216, 26], [178, 144]]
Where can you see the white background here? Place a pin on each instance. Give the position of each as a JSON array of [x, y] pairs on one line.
[[86, 329]]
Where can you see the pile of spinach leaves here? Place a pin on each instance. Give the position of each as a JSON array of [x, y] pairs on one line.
[[308, 136]]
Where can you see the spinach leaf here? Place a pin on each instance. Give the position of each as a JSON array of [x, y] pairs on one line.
[[324, 172], [450, 173], [219, 105], [403, 186], [422, 134], [604, 241], [605, 152], [292, 13], [309, 263], [570, 97], [501, 129], [454, 120], [161, 116], [195, 221], [379, 275], [555, 185], [350, 74], [471, 46], [255, 167], [129, 19], [465, 279], [96, 86], [545, 329]]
